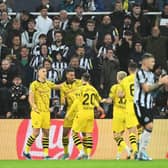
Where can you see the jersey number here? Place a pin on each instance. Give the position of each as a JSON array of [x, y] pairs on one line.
[[132, 89], [122, 101], [89, 99]]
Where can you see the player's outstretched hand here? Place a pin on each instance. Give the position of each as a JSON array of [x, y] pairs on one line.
[[101, 111], [164, 80]]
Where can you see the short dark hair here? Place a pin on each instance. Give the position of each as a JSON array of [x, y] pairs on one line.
[[132, 66], [42, 35], [69, 69], [86, 76], [147, 56], [40, 67], [47, 60]]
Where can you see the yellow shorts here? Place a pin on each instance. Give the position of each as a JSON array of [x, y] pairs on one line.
[[40, 120], [131, 119], [83, 124], [119, 120], [68, 123]]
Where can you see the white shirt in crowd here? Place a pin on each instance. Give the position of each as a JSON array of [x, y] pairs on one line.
[[43, 25]]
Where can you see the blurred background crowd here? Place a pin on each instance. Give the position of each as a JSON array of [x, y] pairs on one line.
[[98, 43]]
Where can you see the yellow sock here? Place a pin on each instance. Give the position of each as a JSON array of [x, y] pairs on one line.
[[45, 142], [29, 143], [85, 144], [77, 141], [65, 142], [133, 142], [140, 130], [89, 145]]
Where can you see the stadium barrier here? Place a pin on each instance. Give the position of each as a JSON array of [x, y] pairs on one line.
[[14, 134], [84, 13]]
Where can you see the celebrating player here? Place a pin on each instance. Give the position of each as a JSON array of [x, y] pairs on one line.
[[127, 85], [119, 114], [68, 93], [39, 95], [84, 118]]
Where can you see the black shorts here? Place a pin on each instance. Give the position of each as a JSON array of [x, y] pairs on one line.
[[143, 114]]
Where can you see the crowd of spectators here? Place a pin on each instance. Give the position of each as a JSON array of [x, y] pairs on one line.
[[100, 45]]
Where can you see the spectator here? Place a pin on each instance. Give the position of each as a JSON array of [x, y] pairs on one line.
[[6, 75], [149, 6], [26, 70], [107, 42], [47, 4], [42, 40], [56, 27], [90, 34], [157, 45], [80, 42], [43, 22], [93, 5], [3, 49], [79, 14], [75, 63], [73, 31], [118, 14], [15, 30], [127, 26], [30, 37], [59, 46], [137, 53], [18, 95], [59, 64], [140, 21], [24, 17], [164, 26], [104, 28], [5, 24], [64, 20], [15, 48], [85, 60], [3, 7], [68, 5], [37, 60], [124, 49], [108, 72]]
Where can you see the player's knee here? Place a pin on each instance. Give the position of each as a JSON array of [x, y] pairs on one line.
[[149, 127]]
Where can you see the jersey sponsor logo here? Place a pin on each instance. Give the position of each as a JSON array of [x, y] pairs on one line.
[[55, 141]]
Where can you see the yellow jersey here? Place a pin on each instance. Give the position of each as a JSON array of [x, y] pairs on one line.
[[89, 99], [69, 91], [127, 85], [42, 92], [117, 101]]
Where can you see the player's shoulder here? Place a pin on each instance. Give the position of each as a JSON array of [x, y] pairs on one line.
[[34, 83], [115, 86], [78, 82]]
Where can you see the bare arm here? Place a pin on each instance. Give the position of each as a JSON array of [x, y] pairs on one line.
[[31, 101], [107, 100], [148, 87]]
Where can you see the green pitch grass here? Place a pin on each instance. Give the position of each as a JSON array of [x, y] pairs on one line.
[[83, 164]]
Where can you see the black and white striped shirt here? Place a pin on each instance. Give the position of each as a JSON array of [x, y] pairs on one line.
[[37, 61], [143, 99], [86, 63], [59, 67], [63, 49], [52, 75]]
